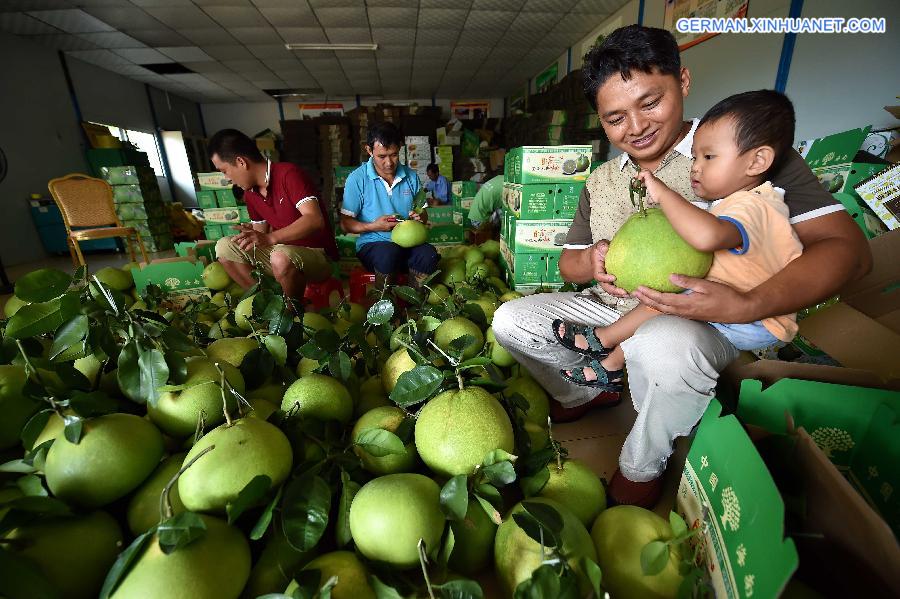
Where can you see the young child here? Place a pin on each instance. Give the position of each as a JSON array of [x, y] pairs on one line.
[[735, 145]]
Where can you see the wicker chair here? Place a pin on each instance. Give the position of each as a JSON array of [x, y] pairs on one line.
[[88, 212]]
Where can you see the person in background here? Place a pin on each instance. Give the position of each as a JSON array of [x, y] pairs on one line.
[[438, 185], [288, 231], [488, 203], [379, 194]]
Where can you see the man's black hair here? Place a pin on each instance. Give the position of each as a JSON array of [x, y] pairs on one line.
[[761, 118], [627, 49], [231, 143], [387, 134], [432, 168]]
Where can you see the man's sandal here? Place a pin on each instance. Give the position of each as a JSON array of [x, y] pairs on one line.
[[595, 348], [608, 380]]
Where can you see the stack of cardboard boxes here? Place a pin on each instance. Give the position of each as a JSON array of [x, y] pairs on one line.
[[541, 189], [139, 204], [443, 157], [221, 208], [417, 155], [334, 151]]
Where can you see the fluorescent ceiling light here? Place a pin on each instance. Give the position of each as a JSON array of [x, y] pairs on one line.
[[370, 47]]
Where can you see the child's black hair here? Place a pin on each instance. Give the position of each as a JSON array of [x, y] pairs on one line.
[[761, 118]]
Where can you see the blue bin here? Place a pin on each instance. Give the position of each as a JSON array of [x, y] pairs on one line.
[[52, 230]]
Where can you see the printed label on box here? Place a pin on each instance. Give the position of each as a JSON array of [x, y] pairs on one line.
[[213, 181], [543, 164]]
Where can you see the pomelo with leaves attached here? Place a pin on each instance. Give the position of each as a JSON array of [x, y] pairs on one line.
[[646, 250], [231, 350], [246, 448], [143, 507], [388, 418], [115, 454], [409, 233], [473, 548], [457, 327], [214, 566], [318, 396], [577, 487], [115, 278], [391, 513], [242, 313], [215, 277], [534, 394], [352, 575], [16, 409], [457, 429], [397, 363]]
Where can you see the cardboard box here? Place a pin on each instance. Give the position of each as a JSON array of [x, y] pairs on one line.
[[536, 236], [206, 199], [203, 251], [213, 181], [128, 194], [215, 232], [464, 188], [222, 216], [448, 138], [726, 490], [881, 193], [446, 234], [543, 201], [341, 173], [120, 175], [547, 164], [225, 198], [180, 278], [346, 245]]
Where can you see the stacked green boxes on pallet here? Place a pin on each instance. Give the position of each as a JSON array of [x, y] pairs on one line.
[[445, 225], [139, 204]]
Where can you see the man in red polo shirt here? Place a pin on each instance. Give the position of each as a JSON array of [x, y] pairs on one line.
[[288, 234]]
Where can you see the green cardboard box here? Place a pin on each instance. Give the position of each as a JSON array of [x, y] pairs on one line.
[[204, 251], [445, 215], [543, 201], [727, 491], [131, 211], [341, 173], [530, 268], [446, 233], [206, 199], [213, 181], [861, 437], [464, 188], [181, 278], [128, 194], [536, 236], [120, 175], [225, 198], [222, 216], [547, 164], [214, 232], [346, 245], [245, 214]]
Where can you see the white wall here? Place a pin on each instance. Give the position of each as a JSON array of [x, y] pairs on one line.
[[252, 117], [836, 81], [39, 136]]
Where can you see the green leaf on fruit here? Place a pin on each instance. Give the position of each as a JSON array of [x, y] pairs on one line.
[[380, 312], [124, 562], [34, 426], [42, 285], [39, 318], [546, 515], [490, 510], [277, 346], [339, 365], [679, 526], [500, 474], [491, 493], [249, 496], [262, 524], [180, 531], [305, 505], [72, 333], [459, 589], [177, 368], [590, 569], [408, 294], [31, 485], [94, 403], [654, 557], [257, 366], [73, 429], [498, 455], [382, 590], [448, 543], [532, 485], [349, 488], [428, 324], [455, 498], [416, 385], [379, 443]]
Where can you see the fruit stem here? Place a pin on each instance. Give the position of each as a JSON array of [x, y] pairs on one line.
[[459, 380], [222, 384], [422, 560], [554, 445], [30, 369], [165, 505]]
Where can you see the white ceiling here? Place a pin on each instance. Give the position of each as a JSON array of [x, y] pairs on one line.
[[444, 48]]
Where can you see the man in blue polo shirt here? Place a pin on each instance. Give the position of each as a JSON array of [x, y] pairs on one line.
[[377, 195], [438, 185]]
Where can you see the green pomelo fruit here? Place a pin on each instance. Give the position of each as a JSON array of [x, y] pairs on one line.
[[473, 256], [117, 452], [473, 536], [215, 277], [73, 554], [387, 418], [352, 576], [115, 278], [319, 396], [456, 429], [306, 366], [455, 328], [235, 291], [582, 163], [12, 306], [401, 335], [275, 567], [498, 284], [477, 272], [453, 272], [409, 233], [369, 402], [15, 408], [438, 294], [215, 566], [341, 326], [371, 386], [490, 248], [493, 271], [620, 534], [176, 412], [242, 313], [231, 350], [538, 435], [398, 363], [248, 448], [391, 513], [353, 313], [510, 295], [576, 487], [316, 321], [488, 307], [89, 366], [646, 250], [143, 507], [534, 394], [497, 352], [54, 428], [516, 555], [261, 408], [271, 391]]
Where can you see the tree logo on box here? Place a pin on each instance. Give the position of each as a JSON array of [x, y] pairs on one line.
[[830, 439]]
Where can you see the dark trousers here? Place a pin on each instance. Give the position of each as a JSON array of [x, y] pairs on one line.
[[387, 258]]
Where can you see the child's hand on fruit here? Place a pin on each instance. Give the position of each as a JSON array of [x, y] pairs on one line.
[[656, 189]]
